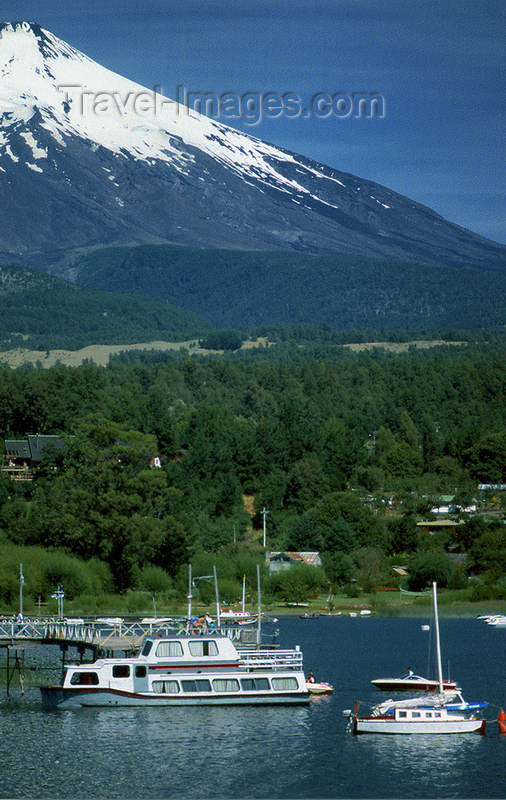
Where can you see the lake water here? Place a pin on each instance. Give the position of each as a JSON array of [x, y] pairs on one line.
[[256, 752]]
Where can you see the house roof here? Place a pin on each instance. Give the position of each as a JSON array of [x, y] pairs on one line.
[[38, 444], [306, 556], [33, 446], [19, 446]]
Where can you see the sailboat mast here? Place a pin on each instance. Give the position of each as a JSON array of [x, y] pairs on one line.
[[243, 592], [438, 643]]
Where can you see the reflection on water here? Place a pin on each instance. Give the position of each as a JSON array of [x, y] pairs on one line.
[[426, 759], [255, 752]]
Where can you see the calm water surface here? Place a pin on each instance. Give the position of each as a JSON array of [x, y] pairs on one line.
[[272, 752]]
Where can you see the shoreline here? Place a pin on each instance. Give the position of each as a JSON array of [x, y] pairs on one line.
[[409, 610]]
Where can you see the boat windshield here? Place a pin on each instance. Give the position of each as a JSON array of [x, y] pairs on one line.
[[147, 648]]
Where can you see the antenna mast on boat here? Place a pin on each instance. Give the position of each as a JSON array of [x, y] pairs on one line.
[[438, 643], [217, 596], [259, 607], [189, 598]]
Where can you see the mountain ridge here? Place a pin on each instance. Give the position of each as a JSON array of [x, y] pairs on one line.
[[73, 180]]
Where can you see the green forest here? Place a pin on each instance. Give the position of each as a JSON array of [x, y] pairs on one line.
[[40, 312], [345, 450], [244, 288]]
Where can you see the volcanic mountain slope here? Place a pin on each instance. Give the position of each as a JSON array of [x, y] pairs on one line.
[[89, 158]]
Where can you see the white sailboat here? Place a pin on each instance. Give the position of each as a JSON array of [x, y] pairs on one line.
[[418, 716]]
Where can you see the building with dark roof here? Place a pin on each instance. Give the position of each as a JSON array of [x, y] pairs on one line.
[[24, 455]]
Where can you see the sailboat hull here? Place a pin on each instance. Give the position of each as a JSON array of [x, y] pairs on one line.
[[375, 725], [393, 726]]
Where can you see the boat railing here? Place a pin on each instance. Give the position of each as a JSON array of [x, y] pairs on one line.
[[275, 660]]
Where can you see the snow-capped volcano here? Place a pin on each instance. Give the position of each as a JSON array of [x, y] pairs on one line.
[[90, 158], [75, 96]]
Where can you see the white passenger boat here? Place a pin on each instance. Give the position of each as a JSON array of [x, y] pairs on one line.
[[185, 670]]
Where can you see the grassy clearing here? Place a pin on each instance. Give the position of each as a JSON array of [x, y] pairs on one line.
[[100, 353], [382, 604]]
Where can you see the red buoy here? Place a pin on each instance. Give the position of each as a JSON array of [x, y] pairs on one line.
[[501, 721]]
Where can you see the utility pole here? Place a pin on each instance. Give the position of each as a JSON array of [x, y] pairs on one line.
[[59, 595], [264, 513]]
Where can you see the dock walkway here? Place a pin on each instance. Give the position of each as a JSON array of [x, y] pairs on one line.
[[101, 637]]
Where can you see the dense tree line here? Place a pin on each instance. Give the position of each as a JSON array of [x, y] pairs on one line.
[[40, 312], [244, 288], [322, 444]]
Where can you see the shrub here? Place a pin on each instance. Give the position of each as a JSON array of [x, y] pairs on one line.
[[154, 579], [426, 567]]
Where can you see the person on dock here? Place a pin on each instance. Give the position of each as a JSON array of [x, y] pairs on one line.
[[196, 624]]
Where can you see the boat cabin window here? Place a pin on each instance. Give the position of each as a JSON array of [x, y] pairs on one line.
[[196, 686], [84, 679], [140, 672], [403, 714], [226, 685], [437, 714], [165, 687], [416, 714], [121, 671], [254, 684], [169, 650], [284, 683], [204, 648], [147, 648]]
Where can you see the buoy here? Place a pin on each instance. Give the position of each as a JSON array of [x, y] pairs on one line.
[[501, 721]]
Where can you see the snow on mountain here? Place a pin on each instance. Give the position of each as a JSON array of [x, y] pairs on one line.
[[90, 158], [40, 72]]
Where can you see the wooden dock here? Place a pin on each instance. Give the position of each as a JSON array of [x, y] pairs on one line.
[[99, 638]]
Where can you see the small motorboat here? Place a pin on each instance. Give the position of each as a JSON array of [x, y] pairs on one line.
[[314, 687], [319, 688], [411, 683], [499, 620]]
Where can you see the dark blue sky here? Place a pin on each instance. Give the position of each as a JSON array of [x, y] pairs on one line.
[[438, 64]]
